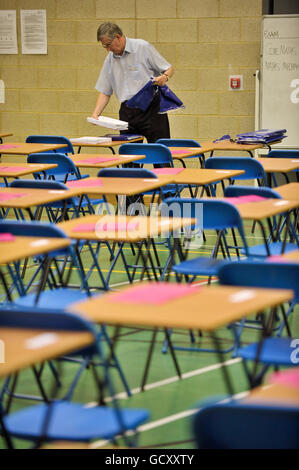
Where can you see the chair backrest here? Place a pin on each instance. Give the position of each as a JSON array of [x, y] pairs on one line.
[[52, 139], [266, 274], [283, 153], [155, 154], [178, 142], [235, 191], [246, 426], [31, 229], [126, 173], [65, 165], [253, 169], [213, 215], [38, 184]]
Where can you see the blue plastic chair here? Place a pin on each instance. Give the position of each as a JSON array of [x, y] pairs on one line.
[[58, 294], [52, 139], [294, 154], [59, 210], [63, 420], [183, 143], [216, 215], [275, 350], [157, 155], [253, 170], [275, 247], [241, 425], [213, 215], [65, 171], [55, 210]]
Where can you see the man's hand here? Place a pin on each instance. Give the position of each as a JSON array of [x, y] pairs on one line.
[[160, 80]]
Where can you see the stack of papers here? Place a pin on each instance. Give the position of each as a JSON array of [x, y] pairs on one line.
[[91, 140], [262, 136], [110, 123]]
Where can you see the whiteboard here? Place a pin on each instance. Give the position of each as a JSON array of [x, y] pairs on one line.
[[279, 78]]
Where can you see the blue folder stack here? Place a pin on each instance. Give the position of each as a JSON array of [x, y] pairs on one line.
[[123, 136], [262, 136]]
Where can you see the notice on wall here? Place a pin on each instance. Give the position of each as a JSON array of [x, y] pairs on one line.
[[33, 31], [8, 32]]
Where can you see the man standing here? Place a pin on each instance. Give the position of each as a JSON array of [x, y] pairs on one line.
[[130, 64]]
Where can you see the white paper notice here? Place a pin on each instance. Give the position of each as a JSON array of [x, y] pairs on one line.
[[33, 31], [8, 32]]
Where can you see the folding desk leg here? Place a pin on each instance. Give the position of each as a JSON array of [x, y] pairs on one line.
[[223, 367], [148, 359], [176, 364], [5, 434]]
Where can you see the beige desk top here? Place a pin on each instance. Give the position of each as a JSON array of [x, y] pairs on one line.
[[262, 209], [292, 256], [184, 152], [34, 197], [24, 169], [279, 165], [148, 227], [208, 308], [113, 143], [83, 160], [24, 148], [202, 176], [122, 186], [18, 355], [288, 191], [5, 134], [23, 247], [274, 394]]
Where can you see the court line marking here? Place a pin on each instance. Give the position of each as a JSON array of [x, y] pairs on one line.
[[170, 419]]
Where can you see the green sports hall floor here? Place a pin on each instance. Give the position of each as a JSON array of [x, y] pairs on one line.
[[171, 402]]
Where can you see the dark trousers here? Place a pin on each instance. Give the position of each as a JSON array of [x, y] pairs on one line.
[[149, 123]]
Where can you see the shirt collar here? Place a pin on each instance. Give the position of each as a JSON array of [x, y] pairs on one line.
[[127, 50]]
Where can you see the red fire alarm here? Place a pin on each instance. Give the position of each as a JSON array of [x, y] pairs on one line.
[[235, 82]]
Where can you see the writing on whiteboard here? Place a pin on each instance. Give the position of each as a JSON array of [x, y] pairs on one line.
[[295, 93], [281, 50], [271, 34]]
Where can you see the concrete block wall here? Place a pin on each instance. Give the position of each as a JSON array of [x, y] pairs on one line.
[[205, 40]]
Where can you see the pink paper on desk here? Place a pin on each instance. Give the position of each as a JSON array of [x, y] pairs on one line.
[[97, 160], [115, 226], [85, 183], [13, 168], [244, 199], [278, 259], [167, 171], [84, 228], [155, 293], [286, 377], [7, 197], [178, 152], [8, 146], [6, 237]]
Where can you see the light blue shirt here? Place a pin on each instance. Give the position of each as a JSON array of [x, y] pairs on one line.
[[125, 75]]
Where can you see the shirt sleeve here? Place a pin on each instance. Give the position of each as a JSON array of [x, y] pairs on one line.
[[157, 63], [104, 84]]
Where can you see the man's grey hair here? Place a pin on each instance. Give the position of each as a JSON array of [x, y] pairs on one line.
[[108, 29]]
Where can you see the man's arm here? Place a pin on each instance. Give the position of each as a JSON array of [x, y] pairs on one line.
[[164, 77], [101, 104]]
